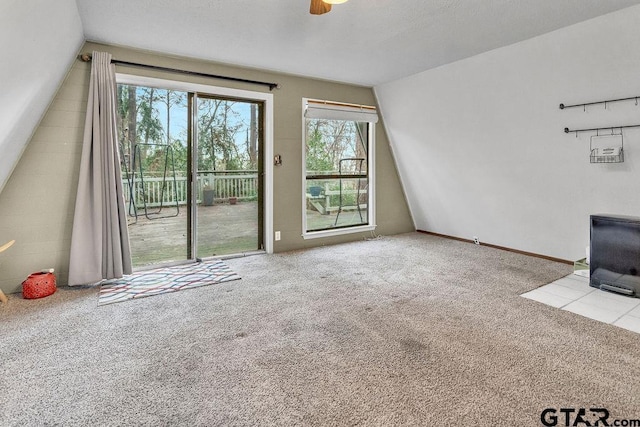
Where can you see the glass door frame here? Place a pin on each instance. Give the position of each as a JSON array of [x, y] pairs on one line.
[[265, 122], [193, 103]]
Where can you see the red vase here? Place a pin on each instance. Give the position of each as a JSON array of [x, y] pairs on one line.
[[39, 285]]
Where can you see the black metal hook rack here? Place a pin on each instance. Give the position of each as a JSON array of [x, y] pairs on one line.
[[608, 101], [611, 128], [605, 102]]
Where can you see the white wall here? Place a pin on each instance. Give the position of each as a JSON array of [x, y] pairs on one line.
[[480, 144], [38, 41]]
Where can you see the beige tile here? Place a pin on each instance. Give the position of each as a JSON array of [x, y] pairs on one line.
[[578, 278], [610, 301], [593, 312], [573, 293], [547, 298], [578, 285], [564, 291], [629, 322], [635, 312]]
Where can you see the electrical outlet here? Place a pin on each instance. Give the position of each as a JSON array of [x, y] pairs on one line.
[[476, 240], [277, 236]]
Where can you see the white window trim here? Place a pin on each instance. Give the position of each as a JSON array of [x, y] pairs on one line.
[[267, 98], [371, 211]]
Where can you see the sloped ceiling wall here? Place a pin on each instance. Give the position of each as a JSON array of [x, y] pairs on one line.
[[38, 41], [480, 144]]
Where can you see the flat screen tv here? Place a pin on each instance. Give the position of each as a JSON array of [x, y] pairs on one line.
[[615, 254]]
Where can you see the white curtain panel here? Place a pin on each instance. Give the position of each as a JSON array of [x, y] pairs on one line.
[[100, 241]]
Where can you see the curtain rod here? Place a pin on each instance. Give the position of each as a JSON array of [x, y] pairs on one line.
[[86, 58]]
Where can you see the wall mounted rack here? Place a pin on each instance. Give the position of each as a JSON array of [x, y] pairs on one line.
[[605, 102], [608, 101], [611, 128]]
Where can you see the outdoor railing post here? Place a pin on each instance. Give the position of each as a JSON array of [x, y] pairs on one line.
[[327, 202]]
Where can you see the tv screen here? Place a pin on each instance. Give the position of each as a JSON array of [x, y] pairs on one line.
[[615, 254]]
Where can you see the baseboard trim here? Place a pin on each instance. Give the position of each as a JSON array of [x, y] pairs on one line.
[[489, 245]]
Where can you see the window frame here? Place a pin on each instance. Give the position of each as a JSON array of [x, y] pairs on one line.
[[268, 123], [371, 173]]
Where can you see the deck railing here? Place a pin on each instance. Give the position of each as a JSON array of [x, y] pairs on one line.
[[160, 191]]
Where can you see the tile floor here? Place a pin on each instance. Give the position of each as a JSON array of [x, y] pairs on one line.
[[573, 293]]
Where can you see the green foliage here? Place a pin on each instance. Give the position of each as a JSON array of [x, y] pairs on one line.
[[329, 141], [180, 154], [157, 158], [122, 109], [150, 129], [318, 158], [158, 117], [223, 136]]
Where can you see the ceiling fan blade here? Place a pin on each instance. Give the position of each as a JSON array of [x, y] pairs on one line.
[[318, 7]]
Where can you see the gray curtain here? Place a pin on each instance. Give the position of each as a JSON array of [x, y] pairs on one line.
[[100, 241]]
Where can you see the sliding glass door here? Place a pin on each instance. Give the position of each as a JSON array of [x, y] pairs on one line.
[[152, 128], [191, 170], [229, 171]]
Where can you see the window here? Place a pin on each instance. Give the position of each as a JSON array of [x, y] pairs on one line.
[[338, 168]]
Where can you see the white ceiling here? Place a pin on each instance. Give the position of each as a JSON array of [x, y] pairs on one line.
[[366, 42]]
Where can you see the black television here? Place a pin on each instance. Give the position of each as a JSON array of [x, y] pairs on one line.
[[615, 254]]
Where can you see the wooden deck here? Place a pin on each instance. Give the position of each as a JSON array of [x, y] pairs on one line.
[[348, 216], [223, 229]]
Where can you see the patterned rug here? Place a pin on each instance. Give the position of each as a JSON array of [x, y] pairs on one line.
[[163, 280]]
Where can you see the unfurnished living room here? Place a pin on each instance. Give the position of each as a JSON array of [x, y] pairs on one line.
[[320, 213]]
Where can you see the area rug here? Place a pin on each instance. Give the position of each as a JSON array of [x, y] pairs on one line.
[[164, 280]]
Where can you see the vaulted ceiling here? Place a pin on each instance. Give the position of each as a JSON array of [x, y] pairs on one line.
[[366, 42]]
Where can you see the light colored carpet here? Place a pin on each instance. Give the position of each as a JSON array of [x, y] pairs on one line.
[[406, 330]]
